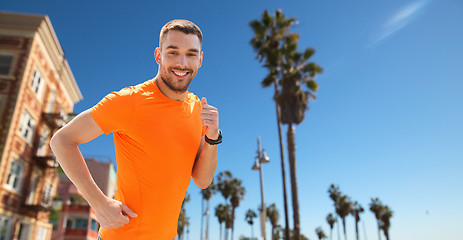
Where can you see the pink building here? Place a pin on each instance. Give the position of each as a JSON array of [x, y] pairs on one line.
[[72, 217]]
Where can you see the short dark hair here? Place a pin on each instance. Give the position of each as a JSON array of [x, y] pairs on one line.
[[181, 25]]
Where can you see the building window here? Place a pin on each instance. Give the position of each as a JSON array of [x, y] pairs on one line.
[[77, 223], [41, 233], [51, 102], [68, 224], [94, 226], [26, 126], [37, 82], [13, 182], [81, 223], [6, 61], [42, 148], [5, 227], [23, 233], [46, 201]]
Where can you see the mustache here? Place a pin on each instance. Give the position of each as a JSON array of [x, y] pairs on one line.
[[181, 69]]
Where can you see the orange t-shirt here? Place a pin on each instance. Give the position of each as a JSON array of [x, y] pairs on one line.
[[156, 140]]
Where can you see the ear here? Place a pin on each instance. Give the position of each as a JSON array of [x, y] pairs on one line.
[[157, 55], [201, 59]]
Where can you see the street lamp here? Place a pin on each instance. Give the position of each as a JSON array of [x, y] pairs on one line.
[[260, 159]]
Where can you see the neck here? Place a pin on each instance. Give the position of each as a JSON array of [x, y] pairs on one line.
[[169, 92]]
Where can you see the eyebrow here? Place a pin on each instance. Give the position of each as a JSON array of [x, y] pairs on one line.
[[190, 50]]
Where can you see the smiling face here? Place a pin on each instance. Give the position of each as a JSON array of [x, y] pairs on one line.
[[179, 58]]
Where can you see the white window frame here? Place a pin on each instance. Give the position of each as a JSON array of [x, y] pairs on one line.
[[5, 227], [26, 231], [42, 148], [51, 101], [41, 233], [37, 82], [17, 176], [26, 126], [47, 192], [12, 55]]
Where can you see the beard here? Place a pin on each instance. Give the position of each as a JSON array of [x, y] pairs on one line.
[[169, 81]]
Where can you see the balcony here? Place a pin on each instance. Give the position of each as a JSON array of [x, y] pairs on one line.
[[76, 208], [46, 161], [42, 207], [57, 120]]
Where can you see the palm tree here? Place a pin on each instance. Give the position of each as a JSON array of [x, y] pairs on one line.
[[273, 216], [207, 194], [376, 207], [331, 221], [356, 210], [237, 194], [221, 214], [224, 180], [182, 223], [345, 208], [228, 220], [267, 36], [297, 85], [321, 235], [182, 218], [335, 195], [293, 237], [277, 232], [250, 215], [386, 215]]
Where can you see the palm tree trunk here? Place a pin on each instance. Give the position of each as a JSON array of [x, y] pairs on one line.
[[292, 168], [202, 219], [282, 156], [220, 228], [357, 229], [344, 228], [233, 222], [337, 225], [331, 233], [273, 233], [379, 230], [207, 220]]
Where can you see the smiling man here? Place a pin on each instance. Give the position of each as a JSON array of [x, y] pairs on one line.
[[163, 136]]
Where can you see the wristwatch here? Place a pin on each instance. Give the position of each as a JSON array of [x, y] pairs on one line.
[[214, 142]]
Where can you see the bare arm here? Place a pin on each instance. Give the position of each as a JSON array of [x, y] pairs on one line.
[[82, 129], [205, 164], [206, 158]]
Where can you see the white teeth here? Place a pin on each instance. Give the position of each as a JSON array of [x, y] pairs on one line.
[[180, 74]]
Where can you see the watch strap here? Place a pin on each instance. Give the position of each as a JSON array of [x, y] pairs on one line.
[[214, 142]]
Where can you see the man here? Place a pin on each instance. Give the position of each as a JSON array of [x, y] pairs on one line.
[[163, 135]]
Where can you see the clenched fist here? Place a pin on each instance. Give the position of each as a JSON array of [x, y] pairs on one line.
[[113, 214], [210, 119]]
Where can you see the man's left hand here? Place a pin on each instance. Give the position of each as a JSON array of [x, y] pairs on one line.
[[210, 119]]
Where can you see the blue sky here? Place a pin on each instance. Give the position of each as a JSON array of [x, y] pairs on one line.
[[387, 121]]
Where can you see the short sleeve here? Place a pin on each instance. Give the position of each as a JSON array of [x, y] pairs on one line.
[[113, 113]]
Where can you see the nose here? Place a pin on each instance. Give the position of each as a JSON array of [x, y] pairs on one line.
[[181, 60]]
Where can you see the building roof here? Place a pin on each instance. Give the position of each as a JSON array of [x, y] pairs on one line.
[[32, 24]]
